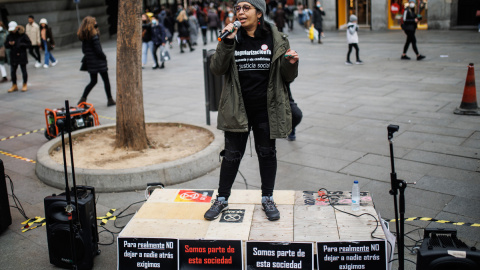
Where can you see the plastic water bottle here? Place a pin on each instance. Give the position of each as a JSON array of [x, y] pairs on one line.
[[355, 196]]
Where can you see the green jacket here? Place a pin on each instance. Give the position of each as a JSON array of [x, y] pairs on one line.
[[231, 113]]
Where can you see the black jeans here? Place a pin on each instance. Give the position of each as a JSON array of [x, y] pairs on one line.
[[357, 51], [204, 35], [34, 51], [23, 67], [235, 144], [93, 82], [410, 39], [154, 52]]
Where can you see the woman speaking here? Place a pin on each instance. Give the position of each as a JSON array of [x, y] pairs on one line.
[[257, 63]]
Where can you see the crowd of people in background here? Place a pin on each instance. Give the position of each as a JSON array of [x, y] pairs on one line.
[[168, 26], [15, 40], [207, 20]]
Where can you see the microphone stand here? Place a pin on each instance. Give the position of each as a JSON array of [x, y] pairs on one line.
[[397, 185]]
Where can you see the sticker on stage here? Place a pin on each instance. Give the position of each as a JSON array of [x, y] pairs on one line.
[[233, 216], [186, 195]]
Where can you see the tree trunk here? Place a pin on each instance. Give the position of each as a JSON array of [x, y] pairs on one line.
[[131, 133]]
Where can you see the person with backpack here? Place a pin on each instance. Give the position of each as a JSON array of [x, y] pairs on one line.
[[352, 39]]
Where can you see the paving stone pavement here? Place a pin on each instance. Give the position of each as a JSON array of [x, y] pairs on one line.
[[343, 135]]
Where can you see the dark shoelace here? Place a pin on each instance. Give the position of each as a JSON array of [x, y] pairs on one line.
[[216, 205], [269, 205]]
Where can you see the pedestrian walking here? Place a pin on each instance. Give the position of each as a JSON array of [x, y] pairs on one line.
[[254, 98], [193, 26], [279, 17], [94, 61], [202, 21], [230, 18], [289, 15], [159, 39], [317, 20], [352, 40], [33, 33], [18, 42], [409, 26], [147, 42], [48, 44], [169, 23], [213, 22], [3, 52], [183, 30]]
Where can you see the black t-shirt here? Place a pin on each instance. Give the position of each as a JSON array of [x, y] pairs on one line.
[[253, 57]]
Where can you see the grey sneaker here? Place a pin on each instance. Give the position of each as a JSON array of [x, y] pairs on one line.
[[218, 206], [270, 208]]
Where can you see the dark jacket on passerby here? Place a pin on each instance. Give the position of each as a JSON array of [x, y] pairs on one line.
[[3, 38], [169, 23], [232, 115], [409, 17], [279, 18], [50, 40], [201, 17], [146, 32], [18, 51], [213, 20], [158, 34], [94, 60], [318, 18]]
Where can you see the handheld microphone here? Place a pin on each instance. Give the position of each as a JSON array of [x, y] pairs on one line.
[[236, 24]]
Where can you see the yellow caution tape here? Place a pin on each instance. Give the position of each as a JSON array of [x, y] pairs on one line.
[[29, 222], [22, 134], [17, 157], [107, 217], [438, 221], [40, 221], [106, 117]]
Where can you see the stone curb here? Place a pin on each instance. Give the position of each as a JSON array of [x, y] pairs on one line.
[[168, 173]]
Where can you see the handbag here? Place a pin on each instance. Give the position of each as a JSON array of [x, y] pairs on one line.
[[165, 54]]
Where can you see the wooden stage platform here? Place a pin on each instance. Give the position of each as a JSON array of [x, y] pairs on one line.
[[305, 216]]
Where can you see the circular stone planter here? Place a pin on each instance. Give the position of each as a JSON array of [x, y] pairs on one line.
[[168, 173]]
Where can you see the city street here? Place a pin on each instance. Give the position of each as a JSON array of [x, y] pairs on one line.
[[342, 137]]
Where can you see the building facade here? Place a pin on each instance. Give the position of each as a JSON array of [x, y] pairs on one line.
[[387, 14]]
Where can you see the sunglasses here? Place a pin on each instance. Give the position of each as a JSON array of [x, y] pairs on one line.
[[245, 8]]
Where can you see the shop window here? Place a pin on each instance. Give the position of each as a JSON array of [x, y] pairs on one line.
[[397, 8]]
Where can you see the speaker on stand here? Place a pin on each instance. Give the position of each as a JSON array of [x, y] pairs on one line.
[[5, 216], [71, 217], [442, 250]]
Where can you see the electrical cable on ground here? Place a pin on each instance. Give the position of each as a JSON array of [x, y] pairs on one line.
[[17, 202]]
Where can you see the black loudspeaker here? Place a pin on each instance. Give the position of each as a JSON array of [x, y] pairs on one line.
[[5, 216], [84, 228], [442, 250]]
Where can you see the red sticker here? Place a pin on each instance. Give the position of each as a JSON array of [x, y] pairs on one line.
[[194, 196]]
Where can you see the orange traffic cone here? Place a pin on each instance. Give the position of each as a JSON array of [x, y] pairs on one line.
[[469, 101]]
